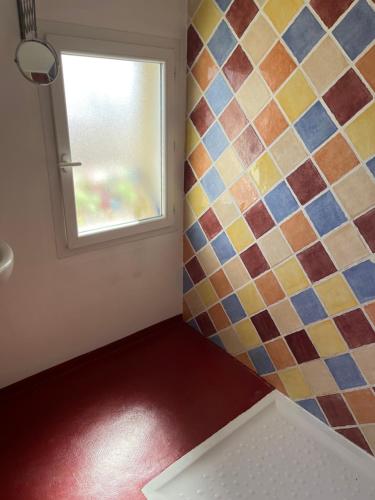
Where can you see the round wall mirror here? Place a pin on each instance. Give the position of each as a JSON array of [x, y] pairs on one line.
[[37, 61]]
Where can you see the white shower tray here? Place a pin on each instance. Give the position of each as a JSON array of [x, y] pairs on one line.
[[274, 451]]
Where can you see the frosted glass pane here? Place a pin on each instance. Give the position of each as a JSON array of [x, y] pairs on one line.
[[114, 109]]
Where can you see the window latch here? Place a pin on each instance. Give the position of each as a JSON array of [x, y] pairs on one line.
[[68, 164]]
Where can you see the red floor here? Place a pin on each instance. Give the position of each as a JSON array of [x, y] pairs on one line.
[[102, 426]]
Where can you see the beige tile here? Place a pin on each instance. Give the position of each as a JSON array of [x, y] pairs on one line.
[[236, 273], [369, 433], [189, 217], [231, 341], [365, 359], [288, 152], [193, 302], [208, 260], [253, 95], [226, 209], [356, 192], [258, 39], [229, 166], [274, 247], [285, 317], [345, 246], [319, 377], [325, 63]]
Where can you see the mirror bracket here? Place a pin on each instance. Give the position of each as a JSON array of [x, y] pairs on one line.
[[27, 19]]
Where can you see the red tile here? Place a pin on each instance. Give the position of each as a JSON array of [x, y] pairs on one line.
[[233, 120], [210, 224], [254, 261], [240, 15], [202, 116], [265, 326], [336, 410], [194, 45], [330, 10], [316, 262], [306, 182], [355, 328], [237, 68], [356, 437], [366, 226], [259, 219], [301, 346], [248, 146], [347, 97], [205, 324], [195, 270], [189, 177]]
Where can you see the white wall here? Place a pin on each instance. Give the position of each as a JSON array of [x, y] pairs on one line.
[[55, 309]]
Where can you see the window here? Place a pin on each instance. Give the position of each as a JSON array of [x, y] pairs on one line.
[[112, 110]]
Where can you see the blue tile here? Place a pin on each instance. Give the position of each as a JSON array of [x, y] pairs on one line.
[[325, 213], [303, 34], [212, 184], [308, 306], [196, 236], [217, 340], [312, 407], [215, 141], [281, 202], [361, 278], [345, 371], [187, 283], [357, 29], [223, 248], [194, 325], [222, 43], [371, 166], [219, 94], [223, 4], [261, 360], [315, 126], [233, 308]]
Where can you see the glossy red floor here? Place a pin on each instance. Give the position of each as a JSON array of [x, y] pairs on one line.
[[103, 425]]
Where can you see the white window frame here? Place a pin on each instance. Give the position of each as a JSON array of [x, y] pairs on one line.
[[144, 51]]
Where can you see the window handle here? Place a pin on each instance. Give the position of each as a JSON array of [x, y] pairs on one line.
[[68, 164]]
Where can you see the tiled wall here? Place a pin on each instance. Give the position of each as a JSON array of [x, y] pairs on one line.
[[280, 197]]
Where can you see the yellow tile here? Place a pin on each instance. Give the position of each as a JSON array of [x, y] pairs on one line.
[[207, 293], [192, 137], [281, 13], [296, 96], [253, 95], [356, 191], [336, 295], [326, 338], [194, 302], [295, 383], [292, 276], [285, 317], [189, 217], [229, 166], [265, 173], [231, 341], [250, 299], [206, 18], [208, 260], [225, 209], [258, 39], [240, 234], [236, 273], [288, 152], [198, 200], [247, 334], [193, 94], [274, 247], [345, 246], [362, 133]]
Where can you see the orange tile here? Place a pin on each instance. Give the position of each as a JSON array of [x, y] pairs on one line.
[[221, 284], [366, 66], [277, 66], [362, 404], [200, 160], [280, 354], [270, 123], [219, 317], [276, 382], [244, 193], [269, 288], [298, 231], [336, 158], [245, 360], [204, 69], [186, 313], [370, 310], [188, 251]]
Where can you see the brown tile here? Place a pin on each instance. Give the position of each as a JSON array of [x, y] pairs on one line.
[[366, 226], [277, 66], [244, 193], [259, 219], [355, 328], [186, 313], [316, 262], [189, 177], [280, 354], [245, 360], [362, 404], [301, 346], [336, 410], [329, 11], [237, 68], [265, 326], [240, 15], [210, 224], [221, 284], [195, 270], [248, 146], [355, 436], [205, 324], [276, 382], [200, 160], [188, 251], [194, 45], [366, 66], [270, 123], [306, 182], [202, 116], [298, 231], [204, 69], [233, 120], [336, 158], [254, 261], [219, 317], [269, 288]]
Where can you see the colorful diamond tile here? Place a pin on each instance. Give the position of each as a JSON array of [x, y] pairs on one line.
[[240, 235], [371, 166], [319, 377], [345, 246], [281, 202], [280, 354], [261, 360], [202, 116], [258, 39], [308, 306], [225, 209], [364, 357], [219, 94], [194, 45], [285, 317], [291, 276], [221, 284], [265, 326], [217, 340], [361, 132], [329, 12], [366, 225], [273, 378], [356, 192], [208, 260], [312, 407], [355, 435], [204, 69], [295, 383], [259, 219], [197, 199], [212, 184], [240, 15], [362, 405], [335, 158], [191, 137], [244, 193], [301, 346], [237, 68], [193, 93], [215, 141], [187, 283], [355, 328], [193, 324], [298, 231], [253, 95], [222, 43], [233, 120], [296, 96], [231, 342], [229, 166], [195, 270], [223, 4], [250, 298], [335, 295], [206, 18], [347, 96], [196, 236], [370, 311], [205, 324], [316, 262], [193, 301], [366, 65], [369, 432], [357, 29], [277, 66], [326, 338], [361, 278], [247, 334], [254, 261], [306, 182], [265, 173], [270, 123], [315, 127], [200, 160], [281, 17], [345, 371], [233, 308], [336, 410], [269, 288], [223, 248], [303, 34], [189, 177], [188, 251], [325, 213], [248, 146], [207, 293], [210, 224], [219, 317]]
